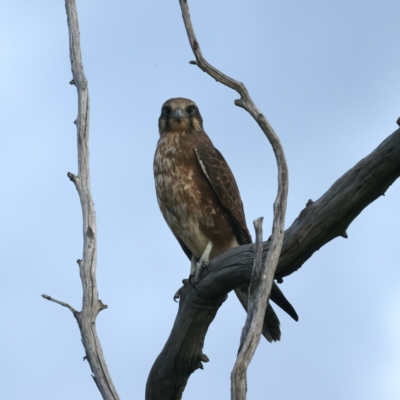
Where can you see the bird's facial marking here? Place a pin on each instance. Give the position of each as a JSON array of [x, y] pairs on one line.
[[166, 110], [179, 115]]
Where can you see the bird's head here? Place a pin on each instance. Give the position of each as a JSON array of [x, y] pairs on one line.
[[179, 115]]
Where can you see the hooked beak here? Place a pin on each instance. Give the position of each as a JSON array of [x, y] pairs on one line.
[[178, 115]]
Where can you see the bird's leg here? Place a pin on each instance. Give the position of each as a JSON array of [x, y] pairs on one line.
[[203, 262], [193, 264]]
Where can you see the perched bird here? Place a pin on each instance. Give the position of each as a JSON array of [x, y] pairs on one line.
[[199, 198]]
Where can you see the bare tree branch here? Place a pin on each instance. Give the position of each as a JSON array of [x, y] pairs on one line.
[[182, 354], [91, 305], [329, 216], [61, 303], [320, 222], [264, 276]]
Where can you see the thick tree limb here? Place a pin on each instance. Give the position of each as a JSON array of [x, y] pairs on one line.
[[329, 217], [91, 305], [182, 354], [320, 222], [264, 275]]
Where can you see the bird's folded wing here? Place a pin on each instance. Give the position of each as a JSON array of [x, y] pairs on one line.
[[221, 179]]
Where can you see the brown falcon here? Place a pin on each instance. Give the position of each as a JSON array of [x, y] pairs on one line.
[[199, 198]]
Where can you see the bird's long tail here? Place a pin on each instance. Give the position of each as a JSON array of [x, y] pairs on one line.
[[271, 327]]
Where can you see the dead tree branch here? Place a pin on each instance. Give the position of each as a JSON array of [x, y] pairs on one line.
[[320, 222], [91, 305], [262, 277], [329, 216]]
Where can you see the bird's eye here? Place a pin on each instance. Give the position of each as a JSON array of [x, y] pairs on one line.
[[190, 110], [166, 110]]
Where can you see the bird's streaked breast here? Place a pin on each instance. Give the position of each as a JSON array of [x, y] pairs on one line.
[[177, 192], [187, 201]]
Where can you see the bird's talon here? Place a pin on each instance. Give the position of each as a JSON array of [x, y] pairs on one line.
[[177, 295]]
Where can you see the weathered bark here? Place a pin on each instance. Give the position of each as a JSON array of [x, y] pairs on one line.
[[329, 217], [320, 222], [91, 305], [182, 354]]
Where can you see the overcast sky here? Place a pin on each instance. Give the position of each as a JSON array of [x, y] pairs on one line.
[[326, 74]]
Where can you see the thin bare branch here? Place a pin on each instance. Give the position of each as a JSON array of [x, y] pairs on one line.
[[61, 303], [252, 332], [91, 305]]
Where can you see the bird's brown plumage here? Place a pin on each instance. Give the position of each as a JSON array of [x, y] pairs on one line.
[[198, 195]]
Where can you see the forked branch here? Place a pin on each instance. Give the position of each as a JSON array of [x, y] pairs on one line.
[[317, 224], [264, 275], [91, 305]]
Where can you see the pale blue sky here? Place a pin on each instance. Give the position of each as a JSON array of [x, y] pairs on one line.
[[327, 76]]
